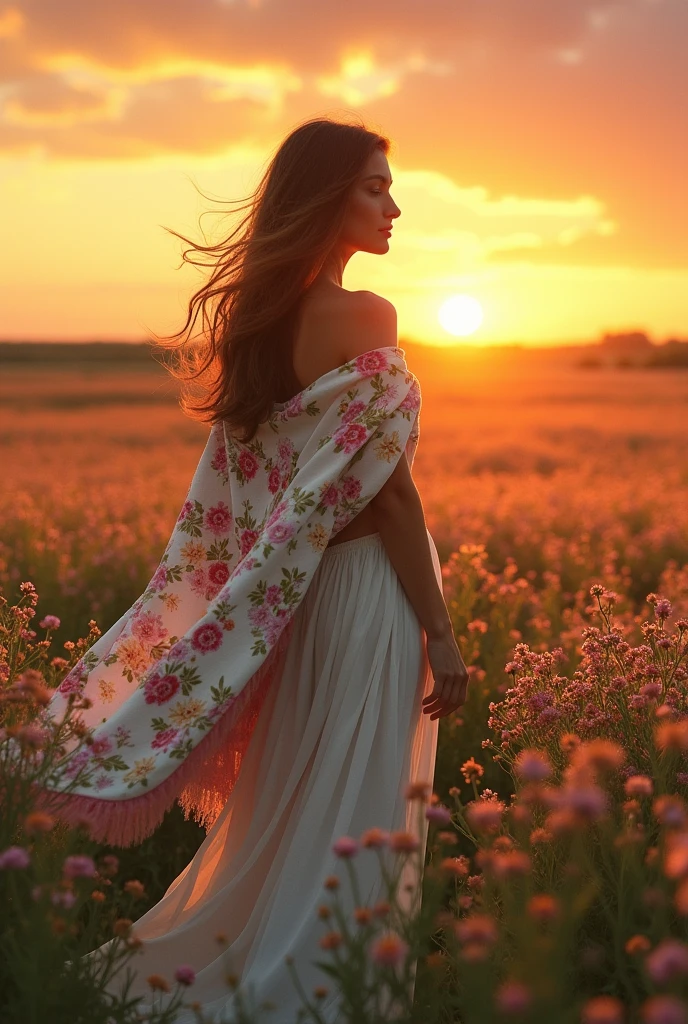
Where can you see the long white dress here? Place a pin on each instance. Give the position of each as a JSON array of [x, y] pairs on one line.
[[336, 744]]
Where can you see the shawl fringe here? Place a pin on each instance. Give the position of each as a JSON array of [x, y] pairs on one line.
[[202, 783]]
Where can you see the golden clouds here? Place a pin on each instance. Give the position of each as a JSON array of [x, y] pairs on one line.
[[121, 78], [50, 100], [361, 79], [548, 136], [11, 22], [471, 227]]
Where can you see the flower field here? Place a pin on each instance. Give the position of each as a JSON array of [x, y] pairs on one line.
[[558, 500]]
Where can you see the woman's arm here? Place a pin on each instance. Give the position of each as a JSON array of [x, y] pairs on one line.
[[400, 521]]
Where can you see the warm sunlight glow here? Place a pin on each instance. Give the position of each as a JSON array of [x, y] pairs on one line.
[[144, 123], [461, 315]]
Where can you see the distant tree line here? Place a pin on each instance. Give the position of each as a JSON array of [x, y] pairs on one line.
[[635, 349], [65, 352]]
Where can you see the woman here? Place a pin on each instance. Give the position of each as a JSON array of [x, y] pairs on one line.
[[348, 719]]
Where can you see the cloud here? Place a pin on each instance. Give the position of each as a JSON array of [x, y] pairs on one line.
[[49, 100], [444, 228], [74, 61], [11, 22], [127, 33], [534, 99], [187, 119]]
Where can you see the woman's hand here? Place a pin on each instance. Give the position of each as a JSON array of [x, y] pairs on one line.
[[450, 675]]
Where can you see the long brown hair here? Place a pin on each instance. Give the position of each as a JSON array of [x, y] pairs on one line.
[[242, 362]]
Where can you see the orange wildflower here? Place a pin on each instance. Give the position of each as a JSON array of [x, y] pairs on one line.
[[331, 940], [156, 981]]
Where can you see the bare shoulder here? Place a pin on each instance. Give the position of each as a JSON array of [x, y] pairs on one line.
[[336, 325], [366, 321]]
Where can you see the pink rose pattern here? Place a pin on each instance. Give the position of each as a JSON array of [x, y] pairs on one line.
[[149, 628], [164, 739], [244, 548], [206, 638], [160, 689], [218, 519]]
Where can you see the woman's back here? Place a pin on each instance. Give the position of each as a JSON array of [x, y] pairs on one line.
[[323, 341]]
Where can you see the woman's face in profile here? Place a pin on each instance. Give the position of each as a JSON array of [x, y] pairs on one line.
[[371, 208]]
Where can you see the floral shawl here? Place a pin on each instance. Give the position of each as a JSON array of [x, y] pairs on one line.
[[178, 682]]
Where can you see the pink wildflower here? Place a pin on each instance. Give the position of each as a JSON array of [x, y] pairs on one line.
[[590, 802], [389, 949], [638, 785], [477, 928], [513, 997], [667, 961], [50, 622], [14, 858], [32, 736], [533, 765], [185, 975], [663, 1010], [63, 898], [485, 815], [670, 810], [438, 814], [78, 866], [345, 846]]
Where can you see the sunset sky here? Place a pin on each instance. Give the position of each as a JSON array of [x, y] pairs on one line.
[[540, 154]]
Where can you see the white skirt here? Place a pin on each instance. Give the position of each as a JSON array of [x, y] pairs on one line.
[[338, 739]]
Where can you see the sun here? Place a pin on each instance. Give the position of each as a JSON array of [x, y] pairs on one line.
[[461, 315]]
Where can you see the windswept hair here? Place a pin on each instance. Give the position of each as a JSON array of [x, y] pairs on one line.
[[242, 362]]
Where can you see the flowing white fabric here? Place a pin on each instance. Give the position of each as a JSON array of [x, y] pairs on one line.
[[338, 739]]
